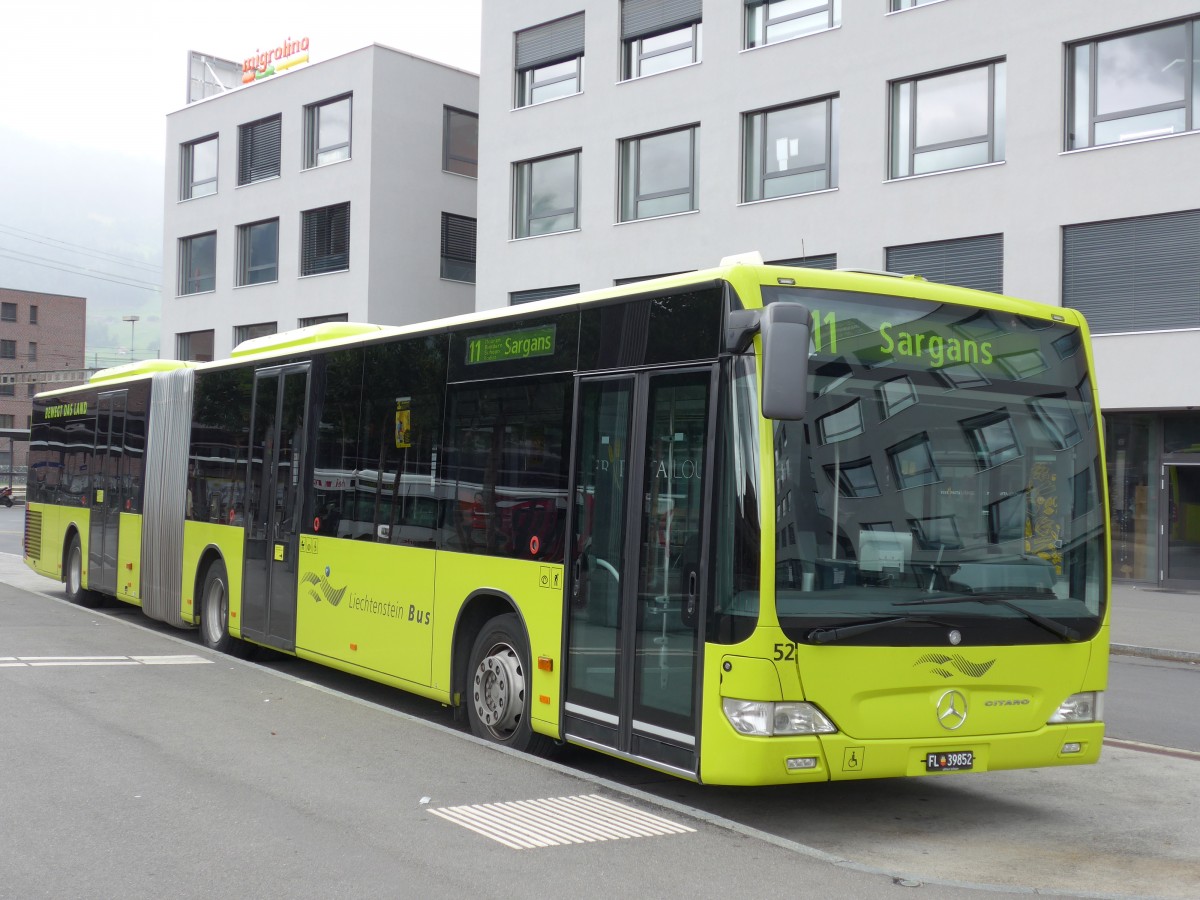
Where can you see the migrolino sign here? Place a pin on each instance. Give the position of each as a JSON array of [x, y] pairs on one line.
[[265, 63]]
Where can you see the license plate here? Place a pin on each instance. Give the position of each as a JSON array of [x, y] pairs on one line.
[[955, 761]]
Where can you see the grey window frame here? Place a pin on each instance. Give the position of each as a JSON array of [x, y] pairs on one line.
[[33, 314], [319, 320], [188, 183], [901, 5], [758, 20], [8, 312], [1085, 55], [8, 349], [318, 240], [194, 284], [523, 184], [246, 266], [250, 332], [545, 47], [632, 160], [453, 159], [183, 344], [259, 149], [33, 351], [313, 149], [457, 258], [906, 143], [754, 124], [634, 54]]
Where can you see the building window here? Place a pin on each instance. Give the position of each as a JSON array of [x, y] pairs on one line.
[[948, 121], [194, 345], [198, 177], [657, 36], [8, 312], [547, 195], [327, 132], [198, 263], [460, 142], [790, 150], [8, 349], [771, 21], [258, 252], [258, 149], [974, 262], [1139, 274], [1133, 86], [8, 421], [816, 261], [549, 60], [250, 332], [897, 5], [458, 248], [33, 313], [30, 389], [516, 298], [325, 239], [33, 351], [8, 390], [320, 320], [658, 174]]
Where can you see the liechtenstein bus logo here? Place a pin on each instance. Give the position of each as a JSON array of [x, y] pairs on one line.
[[959, 663], [320, 589]]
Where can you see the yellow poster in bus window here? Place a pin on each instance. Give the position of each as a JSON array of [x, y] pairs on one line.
[[403, 423]]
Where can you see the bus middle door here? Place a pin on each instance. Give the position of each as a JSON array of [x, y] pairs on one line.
[[275, 495], [107, 493]]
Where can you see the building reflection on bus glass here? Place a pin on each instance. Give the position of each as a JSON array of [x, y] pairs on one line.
[[947, 473]]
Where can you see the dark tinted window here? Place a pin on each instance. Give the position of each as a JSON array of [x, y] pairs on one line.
[[680, 327], [220, 428]]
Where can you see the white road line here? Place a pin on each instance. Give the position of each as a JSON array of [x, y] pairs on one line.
[[9, 662]]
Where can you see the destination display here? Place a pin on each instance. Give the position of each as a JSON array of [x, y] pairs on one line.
[[509, 345]]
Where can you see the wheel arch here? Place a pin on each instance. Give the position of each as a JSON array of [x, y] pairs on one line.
[[479, 608], [71, 532]]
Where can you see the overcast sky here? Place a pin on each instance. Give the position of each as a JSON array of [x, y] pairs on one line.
[[85, 88]]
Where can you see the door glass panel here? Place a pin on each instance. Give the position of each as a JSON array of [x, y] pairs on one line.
[[1183, 523], [600, 505], [669, 574]]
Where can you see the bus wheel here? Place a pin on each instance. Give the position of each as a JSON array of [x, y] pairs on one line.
[[73, 577], [498, 700], [214, 613]]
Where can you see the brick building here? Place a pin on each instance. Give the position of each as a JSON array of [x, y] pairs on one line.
[[41, 341]]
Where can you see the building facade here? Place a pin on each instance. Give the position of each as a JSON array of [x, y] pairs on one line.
[[42, 338], [340, 191], [1045, 154]]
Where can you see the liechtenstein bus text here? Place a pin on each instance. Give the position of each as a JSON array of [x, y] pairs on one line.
[[573, 522]]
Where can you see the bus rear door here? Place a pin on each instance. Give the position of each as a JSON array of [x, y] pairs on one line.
[[107, 492], [275, 493]]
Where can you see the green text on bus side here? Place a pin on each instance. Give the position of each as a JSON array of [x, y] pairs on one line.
[[508, 345], [78, 408]]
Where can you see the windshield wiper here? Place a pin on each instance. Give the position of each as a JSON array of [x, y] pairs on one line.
[[830, 633], [1065, 632]]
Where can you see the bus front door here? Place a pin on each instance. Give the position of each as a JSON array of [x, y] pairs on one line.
[[636, 581], [107, 492], [275, 495]]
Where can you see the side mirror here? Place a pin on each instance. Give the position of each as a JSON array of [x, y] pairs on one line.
[[785, 331]]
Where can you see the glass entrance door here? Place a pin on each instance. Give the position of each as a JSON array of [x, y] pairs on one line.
[[1181, 530], [276, 490], [636, 583], [107, 492]]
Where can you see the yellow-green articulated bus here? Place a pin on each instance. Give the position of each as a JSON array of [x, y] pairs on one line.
[[749, 525]]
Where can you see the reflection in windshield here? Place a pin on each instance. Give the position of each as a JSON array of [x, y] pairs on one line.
[[948, 452]]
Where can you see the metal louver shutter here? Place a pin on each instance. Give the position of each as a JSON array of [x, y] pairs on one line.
[[553, 41], [821, 261], [325, 240], [1134, 274], [516, 298], [458, 237], [644, 17], [258, 150], [975, 262]]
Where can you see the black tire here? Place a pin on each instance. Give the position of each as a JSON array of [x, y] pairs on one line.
[[7, 501], [214, 613], [73, 577], [499, 688]]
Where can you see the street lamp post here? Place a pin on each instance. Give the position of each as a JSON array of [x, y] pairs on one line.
[[132, 320]]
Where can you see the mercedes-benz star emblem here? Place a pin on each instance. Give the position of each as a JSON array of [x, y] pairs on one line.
[[952, 710]]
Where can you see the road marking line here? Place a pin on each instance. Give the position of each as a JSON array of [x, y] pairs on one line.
[[558, 821], [9, 662]]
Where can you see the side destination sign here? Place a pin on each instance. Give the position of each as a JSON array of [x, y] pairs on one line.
[[77, 408], [509, 345]]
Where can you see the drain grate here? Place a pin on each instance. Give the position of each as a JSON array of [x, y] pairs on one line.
[[558, 821]]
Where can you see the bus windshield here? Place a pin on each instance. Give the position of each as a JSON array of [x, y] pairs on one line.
[[946, 483]]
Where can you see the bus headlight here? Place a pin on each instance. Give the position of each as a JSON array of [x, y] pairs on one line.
[[769, 718], [1085, 707]]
